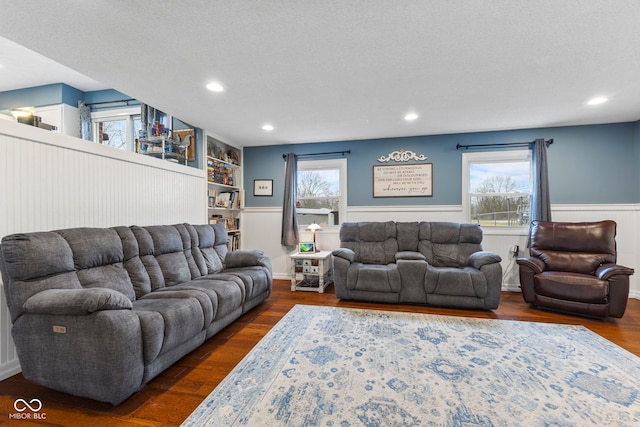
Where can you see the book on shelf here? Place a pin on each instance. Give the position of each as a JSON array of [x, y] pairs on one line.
[[219, 173], [233, 242], [230, 224], [224, 199], [212, 198]]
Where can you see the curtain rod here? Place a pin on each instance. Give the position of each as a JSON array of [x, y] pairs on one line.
[[284, 156], [511, 144], [112, 102]]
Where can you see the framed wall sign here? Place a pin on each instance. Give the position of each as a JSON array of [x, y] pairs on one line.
[[263, 187], [403, 180]]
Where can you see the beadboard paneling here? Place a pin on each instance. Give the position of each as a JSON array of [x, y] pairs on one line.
[[53, 181]]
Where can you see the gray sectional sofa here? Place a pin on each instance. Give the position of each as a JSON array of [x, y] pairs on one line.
[[433, 263], [99, 312]]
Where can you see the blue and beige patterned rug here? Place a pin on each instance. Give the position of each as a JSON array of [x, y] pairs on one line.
[[326, 366]]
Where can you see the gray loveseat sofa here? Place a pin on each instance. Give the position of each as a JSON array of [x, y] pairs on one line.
[[433, 263], [99, 312]]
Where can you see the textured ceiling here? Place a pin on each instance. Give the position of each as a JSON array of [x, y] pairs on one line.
[[322, 70]]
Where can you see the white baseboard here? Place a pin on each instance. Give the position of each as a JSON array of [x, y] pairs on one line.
[[9, 369]]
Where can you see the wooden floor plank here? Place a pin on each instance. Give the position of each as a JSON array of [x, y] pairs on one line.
[[173, 395]]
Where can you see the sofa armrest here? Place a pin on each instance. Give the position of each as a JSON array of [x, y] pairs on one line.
[[76, 301], [410, 256], [606, 271], [245, 258], [345, 253], [528, 268], [480, 258], [536, 265]]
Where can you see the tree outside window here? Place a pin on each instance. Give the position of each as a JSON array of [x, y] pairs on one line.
[[319, 193], [499, 189], [113, 133], [117, 128]]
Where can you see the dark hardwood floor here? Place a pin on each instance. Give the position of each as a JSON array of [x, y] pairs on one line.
[[173, 395]]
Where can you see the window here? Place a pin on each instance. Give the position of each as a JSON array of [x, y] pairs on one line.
[[117, 128], [497, 188], [322, 194]]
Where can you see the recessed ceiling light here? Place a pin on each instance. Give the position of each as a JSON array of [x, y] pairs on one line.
[[215, 87], [597, 100], [411, 116], [268, 127]]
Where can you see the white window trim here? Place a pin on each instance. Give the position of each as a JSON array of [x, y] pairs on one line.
[[116, 114], [340, 164], [489, 157]]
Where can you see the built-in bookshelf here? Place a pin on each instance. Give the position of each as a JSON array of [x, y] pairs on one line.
[[224, 187]]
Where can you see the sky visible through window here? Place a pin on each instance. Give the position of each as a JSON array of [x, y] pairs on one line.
[[519, 171]]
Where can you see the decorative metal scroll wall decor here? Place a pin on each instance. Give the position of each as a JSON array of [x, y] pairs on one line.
[[402, 155]]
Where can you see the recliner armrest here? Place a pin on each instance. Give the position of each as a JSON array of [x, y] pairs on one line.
[[344, 253], [534, 264], [605, 271], [480, 258], [76, 301], [246, 258]]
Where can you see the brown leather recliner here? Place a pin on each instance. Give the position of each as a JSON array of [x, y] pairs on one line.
[[572, 268]]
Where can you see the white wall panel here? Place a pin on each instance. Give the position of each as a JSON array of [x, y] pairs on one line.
[[53, 181]]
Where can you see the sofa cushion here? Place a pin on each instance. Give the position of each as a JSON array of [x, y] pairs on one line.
[[132, 262], [163, 255], [93, 247], [372, 242], [255, 279], [229, 291], [461, 282], [32, 263], [579, 247], [33, 255], [579, 262], [373, 278], [572, 287], [169, 250], [212, 260], [167, 322], [98, 257], [196, 260], [449, 244], [113, 276], [208, 304], [408, 234], [208, 240]]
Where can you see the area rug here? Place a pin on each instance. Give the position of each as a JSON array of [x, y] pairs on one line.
[[327, 366]]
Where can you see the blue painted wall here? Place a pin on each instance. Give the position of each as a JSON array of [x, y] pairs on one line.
[[107, 95], [587, 164], [33, 97], [54, 94]]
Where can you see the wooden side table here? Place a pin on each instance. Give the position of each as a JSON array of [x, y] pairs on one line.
[[311, 272]]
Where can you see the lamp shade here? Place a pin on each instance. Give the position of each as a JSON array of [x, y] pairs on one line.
[[314, 227]]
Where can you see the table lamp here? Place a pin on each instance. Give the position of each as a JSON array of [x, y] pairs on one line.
[[314, 227]]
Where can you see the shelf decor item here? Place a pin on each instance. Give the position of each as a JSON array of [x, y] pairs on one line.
[[263, 187], [306, 247], [224, 188]]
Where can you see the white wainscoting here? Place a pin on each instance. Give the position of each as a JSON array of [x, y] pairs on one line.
[[262, 228], [53, 181]]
